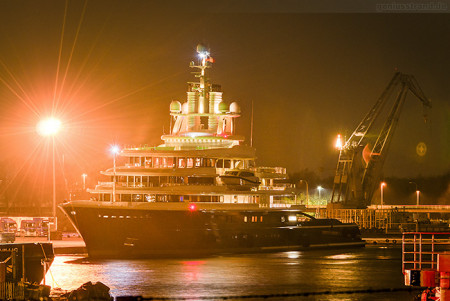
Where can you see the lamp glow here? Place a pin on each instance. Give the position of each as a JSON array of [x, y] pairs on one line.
[[319, 188], [115, 149], [48, 127], [382, 185], [338, 144]]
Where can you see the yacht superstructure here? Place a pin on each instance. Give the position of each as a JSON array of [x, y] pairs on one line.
[[200, 192]]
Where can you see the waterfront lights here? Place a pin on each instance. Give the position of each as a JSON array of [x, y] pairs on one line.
[[417, 193], [338, 144], [382, 185], [84, 180], [48, 127], [319, 188]]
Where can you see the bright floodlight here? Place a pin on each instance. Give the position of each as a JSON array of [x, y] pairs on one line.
[[115, 149], [338, 144], [383, 184], [48, 127]]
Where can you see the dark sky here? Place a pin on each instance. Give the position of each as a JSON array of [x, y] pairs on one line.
[[311, 71]]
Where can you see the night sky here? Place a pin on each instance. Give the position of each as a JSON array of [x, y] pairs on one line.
[[109, 70]]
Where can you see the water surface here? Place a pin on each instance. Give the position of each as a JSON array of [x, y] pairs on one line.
[[241, 275]]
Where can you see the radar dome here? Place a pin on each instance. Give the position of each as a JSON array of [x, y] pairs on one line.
[[223, 107], [175, 106], [234, 108], [184, 108], [201, 48]]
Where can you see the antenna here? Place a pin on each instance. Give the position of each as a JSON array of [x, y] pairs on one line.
[[251, 127]]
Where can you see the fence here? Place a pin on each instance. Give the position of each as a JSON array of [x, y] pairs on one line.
[[12, 291], [420, 249], [364, 218]]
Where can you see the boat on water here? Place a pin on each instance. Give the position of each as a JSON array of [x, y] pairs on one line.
[[199, 193]]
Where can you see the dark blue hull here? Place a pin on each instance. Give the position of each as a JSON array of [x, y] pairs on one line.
[[118, 232]]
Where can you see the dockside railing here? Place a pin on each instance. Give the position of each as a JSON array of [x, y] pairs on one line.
[[12, 291], [420, 249], [364, 218]]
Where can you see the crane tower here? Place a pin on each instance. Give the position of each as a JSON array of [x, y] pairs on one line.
[[362, 156]]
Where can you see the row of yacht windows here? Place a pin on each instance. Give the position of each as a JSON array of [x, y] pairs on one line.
[[187, 162], [158, 181], [158, 198], [146, 197]]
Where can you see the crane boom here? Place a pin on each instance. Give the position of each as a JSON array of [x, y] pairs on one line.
[[359, 167]]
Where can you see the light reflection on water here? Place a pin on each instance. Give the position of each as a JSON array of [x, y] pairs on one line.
[[234, 275]]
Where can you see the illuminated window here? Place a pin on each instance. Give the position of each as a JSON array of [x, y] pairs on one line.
[[245, 219], [190, 162], [261, 219], [219, 163], [156, 162], [226, 163], [181, 162], [292, 218], [198, 162]]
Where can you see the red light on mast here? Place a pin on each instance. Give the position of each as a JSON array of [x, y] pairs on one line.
[[192, 207]]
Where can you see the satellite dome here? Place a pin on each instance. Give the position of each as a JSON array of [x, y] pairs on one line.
[[201, 48], [175, 106], [184, 108], [234, 108], [223, 107]]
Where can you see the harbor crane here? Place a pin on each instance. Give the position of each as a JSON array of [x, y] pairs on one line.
[[362, 156]]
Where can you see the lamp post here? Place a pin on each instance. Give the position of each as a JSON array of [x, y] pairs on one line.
[[49, 128], [381, 189], [84, 180], [417, 193], [319, 188], [307, 193], [114, 150]]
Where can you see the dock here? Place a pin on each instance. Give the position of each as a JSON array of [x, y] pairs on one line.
[[66, 246]]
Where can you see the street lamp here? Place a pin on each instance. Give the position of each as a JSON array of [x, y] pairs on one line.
[[114, 150], [319, 188], [307, 193], [417, 193], [49, 128], [382, 185], [84, 180], [339, 144]]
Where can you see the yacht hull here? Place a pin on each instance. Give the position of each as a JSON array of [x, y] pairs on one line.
[[122, 231]]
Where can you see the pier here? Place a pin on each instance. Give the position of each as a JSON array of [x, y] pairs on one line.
[[390, 218], [65, 246]]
